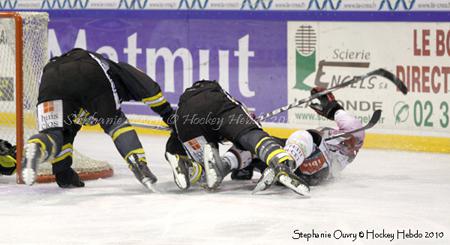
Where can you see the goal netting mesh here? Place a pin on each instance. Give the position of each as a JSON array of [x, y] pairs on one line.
[[21, 64]]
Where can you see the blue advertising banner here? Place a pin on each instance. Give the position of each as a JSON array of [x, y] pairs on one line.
[[247, 57], [248, 5]]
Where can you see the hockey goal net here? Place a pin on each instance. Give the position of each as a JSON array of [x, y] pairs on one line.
[[23, 54]]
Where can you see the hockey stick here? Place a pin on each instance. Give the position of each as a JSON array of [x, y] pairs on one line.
[[149, 126], [378, 72], [373, 121]]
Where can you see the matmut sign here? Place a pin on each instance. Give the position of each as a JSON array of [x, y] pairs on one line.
[[248, 59]]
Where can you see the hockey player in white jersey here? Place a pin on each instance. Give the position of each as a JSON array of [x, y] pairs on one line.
[[317, 160]]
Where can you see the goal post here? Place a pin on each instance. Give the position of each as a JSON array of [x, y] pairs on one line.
[[23, 55], [12, 22]]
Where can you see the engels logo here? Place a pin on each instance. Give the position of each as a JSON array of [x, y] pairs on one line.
[[168, 56], [305, 60], [394, 5]]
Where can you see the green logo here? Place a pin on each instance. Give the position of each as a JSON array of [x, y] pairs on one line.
[[305, 55], [401, 112]]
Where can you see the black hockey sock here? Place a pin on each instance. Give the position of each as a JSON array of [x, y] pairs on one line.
[[126, 140], [49, 144], [264, 147], [271, 152]]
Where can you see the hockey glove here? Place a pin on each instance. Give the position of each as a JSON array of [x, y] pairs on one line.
[[327, 106], [68, 179]]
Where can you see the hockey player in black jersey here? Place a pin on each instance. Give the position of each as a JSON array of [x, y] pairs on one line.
[[208, 115], [82, 87]]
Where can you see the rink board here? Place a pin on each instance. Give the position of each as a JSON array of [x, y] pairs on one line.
[[256, 57], [373, 140], [328, 53]]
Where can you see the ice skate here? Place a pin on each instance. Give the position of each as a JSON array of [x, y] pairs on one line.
[[33, 155], [215, 168], [293, 182], [180, 170], [143, 173], [283, 175], [267, 179]]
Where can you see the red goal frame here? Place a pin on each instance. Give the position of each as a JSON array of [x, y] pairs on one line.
[[19, 88], [103, 169]]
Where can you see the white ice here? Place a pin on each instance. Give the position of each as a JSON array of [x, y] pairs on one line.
[[379, 190]]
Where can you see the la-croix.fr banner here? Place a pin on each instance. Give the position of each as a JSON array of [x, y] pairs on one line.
[[248, 57]]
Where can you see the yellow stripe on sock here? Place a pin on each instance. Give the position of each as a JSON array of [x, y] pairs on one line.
[[273, 153], [155, 97], [285, 159], [259, 143], [136, 151], [118, 132], [60, 158], [159, 103], [66, 146], [65, 155], [53, 145], [40, 142]]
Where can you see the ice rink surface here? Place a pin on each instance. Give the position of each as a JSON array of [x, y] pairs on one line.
[[381, 191]]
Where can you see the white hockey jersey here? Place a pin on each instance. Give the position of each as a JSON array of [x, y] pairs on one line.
[[325, 156]]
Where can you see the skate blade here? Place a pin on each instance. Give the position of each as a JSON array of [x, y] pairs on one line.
[[148, 184], [180, 179], [212, 179], [28, 176], [267, 181], [259, 187], [294, 185]]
